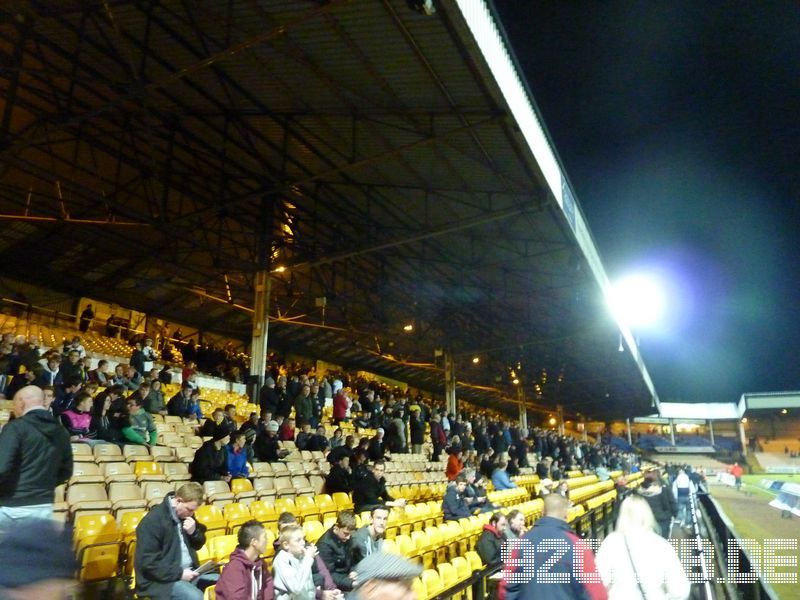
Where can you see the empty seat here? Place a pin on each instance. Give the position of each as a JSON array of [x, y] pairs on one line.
[[313, 530], [221, 546], [218, 492], [126, 496], [149, 471], [211, 516], [302, 485], [236, 514], [265, 488], [325, 506], [264, 512], [162, 454], [82, 453], [87, 497], [155, 491], [133, 453], [86, 472], [117, 471], [176, 471], [242, 489]]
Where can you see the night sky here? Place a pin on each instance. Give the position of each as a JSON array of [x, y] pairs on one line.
[[678, 124]]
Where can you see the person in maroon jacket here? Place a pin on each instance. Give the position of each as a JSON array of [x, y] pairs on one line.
[[246, 577]]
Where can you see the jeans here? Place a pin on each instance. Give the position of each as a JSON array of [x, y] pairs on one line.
[[193, 590], [9, 515]]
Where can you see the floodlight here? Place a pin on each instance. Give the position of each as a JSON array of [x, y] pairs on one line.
[[638, 300]]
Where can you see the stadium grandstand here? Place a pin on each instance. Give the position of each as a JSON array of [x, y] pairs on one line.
[[340, 230]]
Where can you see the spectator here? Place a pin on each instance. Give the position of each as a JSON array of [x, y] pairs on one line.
[[35, 457], [78, 420], [140, 429], [682, 488], [336, 550], [183, 405], [100, 375], [102, 424], [287, 431], [417, 427], [371, 490], [475, 492], [65, 395], [304, 437], [246, 576], [455, 464], [455, 504], [319, 441], [500, 478], [167, 541], [490, 543], [237, 456], [383, 576], [338, 438], [154, 401], [339, 477], [266, 446], [661, 501], [229, 418], [572, 568], [211, 460], [377, 449], [340, 406], [369, 538], [210, 426], [304, 410], [86, 318], [438, 437], [635, 561], [515, 527], [49, 374], [138, 358]]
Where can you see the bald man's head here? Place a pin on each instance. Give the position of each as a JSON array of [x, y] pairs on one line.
[[556, 506], [26, 398]]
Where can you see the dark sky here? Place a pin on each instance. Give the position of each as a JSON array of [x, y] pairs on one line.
[[678, 124]]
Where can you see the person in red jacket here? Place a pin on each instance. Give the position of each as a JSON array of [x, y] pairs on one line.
[[455, 464], [287, 431], [340, 405], [246, 568]]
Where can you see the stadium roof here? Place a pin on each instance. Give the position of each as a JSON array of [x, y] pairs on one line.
[[157, 155]]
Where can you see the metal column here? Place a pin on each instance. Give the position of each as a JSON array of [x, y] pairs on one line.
[[711, 431], [628, 431], [560, 417], [258, 345], [742, 437], [450, 382], [523, 410], [672, 432]]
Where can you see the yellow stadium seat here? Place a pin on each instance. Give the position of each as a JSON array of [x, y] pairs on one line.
[[218, 492], [390, 547], [155, 491], [209, 593], [87, 497], [242, 488], [306, 508], [221, 546], [211, 516], [86, 472], [432, 582], [447, 573], [264, 512], [325, 506], [134, 453], [474, 560], [93, 529], [99, 562], [313, 530], [343, 501], [117, 471], [149, 471], [236, 514], [285, 505], [176, 471], [405, 546], [265, 488]]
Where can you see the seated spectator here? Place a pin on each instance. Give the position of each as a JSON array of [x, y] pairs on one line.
[[65, 395], [266, 447], [287, 431], [49, 373], [74, 345], [515, 527], [246, 576], [336, 550], [211, 460], [210, 426], [293, 564], [182, 405], [253, 423], [337, 439], [369, 538], [141, 393], [104, 427], [500, 478], [318, 441], [455, 463], [132, 379], [475, 492], [229, 419], [490, 543], [78, 420], [165, 375], [140, 429], [371, 490], [28, 377], [237, 456], [72, 366], [339, 477], [304, 437], [154, 401], [455, 504]]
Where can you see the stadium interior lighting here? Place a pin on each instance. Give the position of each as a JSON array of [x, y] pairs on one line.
[[638, 300], [515, 381], [280, 269], [784, 411], [408, 327], [744, 419], [476, 360], [552, 421]]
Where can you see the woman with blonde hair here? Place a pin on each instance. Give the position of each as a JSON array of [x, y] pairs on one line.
[[635, 562]]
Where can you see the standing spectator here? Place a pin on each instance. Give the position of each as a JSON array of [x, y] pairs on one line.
[[269, 399], [167, 541], [661, 501], [246, 576], [340, 406], [86, 318], [438, 437], [682, 488], [492, 538], [336, 550], [417, 426], [303, 408], [572, 572], [35, 457], [211, 460], [369, 538], [377, 448], [635, 561], [138, 358]]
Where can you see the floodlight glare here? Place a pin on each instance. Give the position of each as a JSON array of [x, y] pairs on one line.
[[638, 300]]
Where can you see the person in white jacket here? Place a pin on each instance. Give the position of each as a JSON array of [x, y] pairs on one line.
[[292, 566], [682, 488], [635, 562]]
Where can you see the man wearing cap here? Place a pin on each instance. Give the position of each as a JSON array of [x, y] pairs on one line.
[[381, 575], [266, 445], [35, 457], [211, 459]]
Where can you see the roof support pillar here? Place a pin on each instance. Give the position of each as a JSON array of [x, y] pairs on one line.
[[742, 438], [523, 410], [560, 417], [258, 344], [628, 430], [711, 431], [672, 432], [450, 382]]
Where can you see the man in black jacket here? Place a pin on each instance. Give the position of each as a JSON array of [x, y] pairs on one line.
[[371, 490], [35, 457], [167, 541], [336, 550], [211, 459]]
